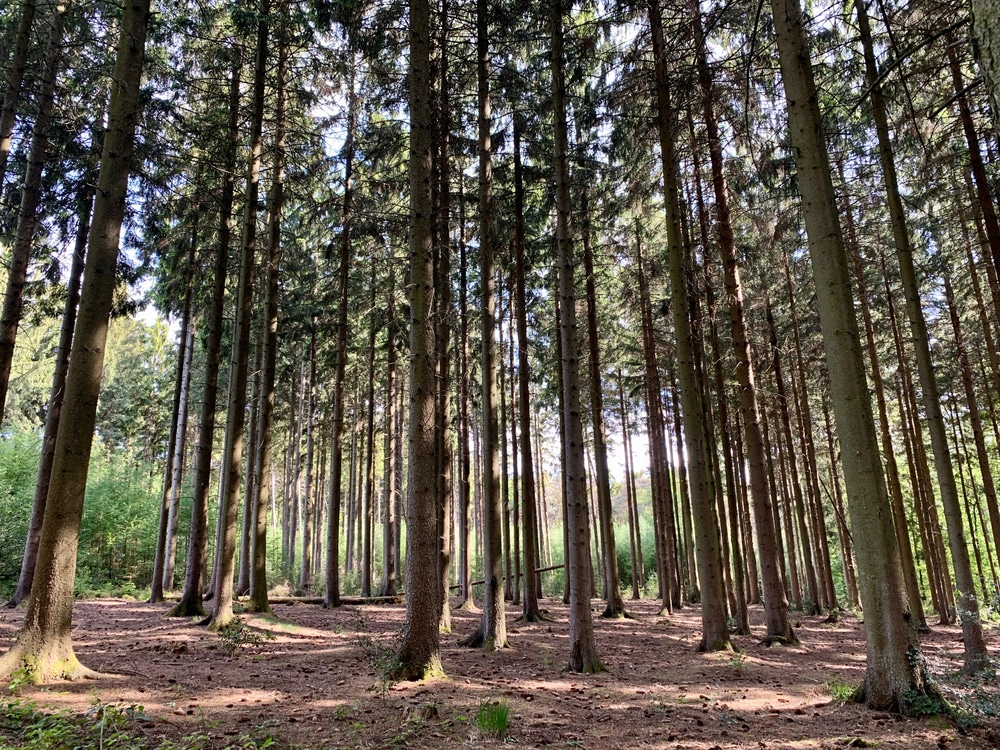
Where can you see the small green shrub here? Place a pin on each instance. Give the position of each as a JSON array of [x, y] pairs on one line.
[[841, 691], [493, 718], [237, 635]]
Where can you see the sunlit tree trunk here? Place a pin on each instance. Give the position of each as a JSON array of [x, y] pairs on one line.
[[222, 610], [56, 393], [894, 673]]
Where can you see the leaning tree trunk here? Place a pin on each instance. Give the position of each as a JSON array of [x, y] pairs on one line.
[[56, 394], [15, 77], [420, 652], [968, 606], [31, 193], [715, 633], [45, 640], [582, 646], [895, 672], [779, 626]]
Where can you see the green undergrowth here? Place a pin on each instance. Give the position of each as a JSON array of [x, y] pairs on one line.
[[105, 726]]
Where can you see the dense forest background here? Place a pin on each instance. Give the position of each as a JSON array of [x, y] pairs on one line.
[[622, 213]]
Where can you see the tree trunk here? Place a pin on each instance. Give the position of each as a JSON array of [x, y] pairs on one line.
[[56, 394], [615, 606], [492, 631], [264, 442], [222, 611], [582, 646], [15, 77], [31, 193], [45, 639], [530, 611], [190, 603], [986, 32], [419, 654], [178, 423], [894, 670]]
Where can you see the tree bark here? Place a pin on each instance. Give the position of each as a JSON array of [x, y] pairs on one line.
[[582, 646], [31, 193], [419, 655], [56, 394], [45, 639], [894, 671]]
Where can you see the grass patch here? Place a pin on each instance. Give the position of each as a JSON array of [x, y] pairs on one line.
[[493, 718]]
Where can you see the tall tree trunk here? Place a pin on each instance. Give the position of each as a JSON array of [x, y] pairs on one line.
[[913, 593], [190, 603], [615, 606], [715, 634], [419, 654], [15, 77], [972, 629], [31, 193], [263, 445], [463, 388], [45, 639], [335, 496], [56, 393], [530, 611], [492, 631], [660, 497], [178, 422], [582, 646], [894, 674], [222, 611], [309, 527], [389, 519]]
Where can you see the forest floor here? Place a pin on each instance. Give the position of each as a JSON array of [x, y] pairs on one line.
[[316, 683]]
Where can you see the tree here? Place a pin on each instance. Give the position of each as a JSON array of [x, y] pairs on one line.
[[715, 633], [986, 32], [582, 645], [968, 606], [492, 631], [895, 672], [420, 655], [44, 644]]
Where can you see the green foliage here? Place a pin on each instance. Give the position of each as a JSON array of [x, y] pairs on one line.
[[383, 658], [237, 635], [18, 466], [841, 691], [493, 718]]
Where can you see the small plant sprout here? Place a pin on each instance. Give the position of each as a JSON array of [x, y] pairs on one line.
[[493, 718]]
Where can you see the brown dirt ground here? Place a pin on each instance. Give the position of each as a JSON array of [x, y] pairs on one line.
[[314, 685]]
